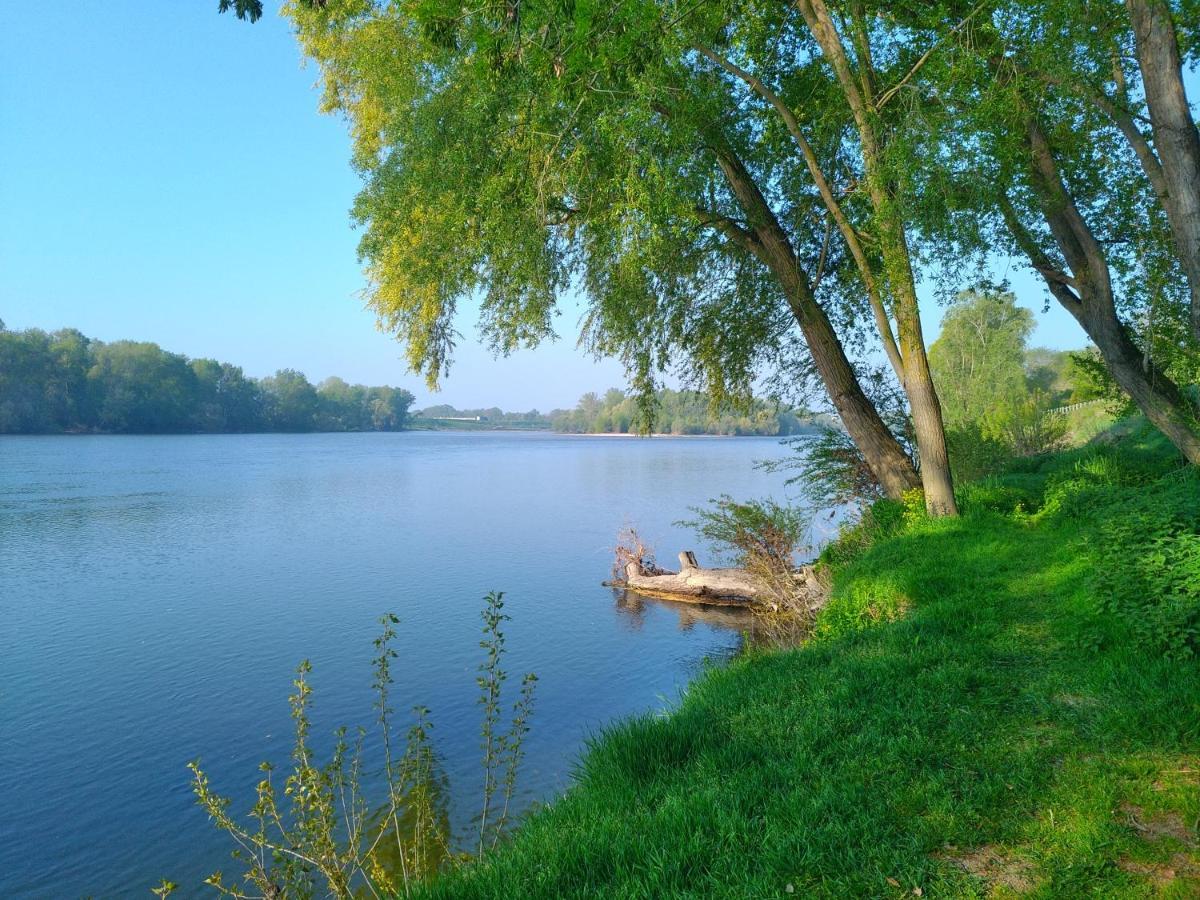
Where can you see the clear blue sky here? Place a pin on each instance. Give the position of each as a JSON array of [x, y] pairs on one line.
[[165, 176]]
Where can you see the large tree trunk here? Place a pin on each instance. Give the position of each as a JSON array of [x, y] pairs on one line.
[[923, 400], [883, 453], [1175, 137], [1087, 294], [767, 240], [897, 261], [1159, 398], [927, 420]]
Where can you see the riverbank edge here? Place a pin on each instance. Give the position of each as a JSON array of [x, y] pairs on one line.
[[968, 720]]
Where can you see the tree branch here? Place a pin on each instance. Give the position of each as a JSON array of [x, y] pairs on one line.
[[1128, 127], [1059, 282], [924, 58], [862, 46], [1079, 246], [729, 227], [824, 255], [849, 234]]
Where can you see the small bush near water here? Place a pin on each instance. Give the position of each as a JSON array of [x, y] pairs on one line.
[[317, 833], [763, 537]]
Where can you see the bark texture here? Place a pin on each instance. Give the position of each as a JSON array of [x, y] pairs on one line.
[[1176, 141]]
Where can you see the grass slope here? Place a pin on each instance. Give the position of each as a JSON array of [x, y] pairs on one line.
[[1004, 704]]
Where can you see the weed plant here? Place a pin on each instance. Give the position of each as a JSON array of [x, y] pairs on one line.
[[316, 832]]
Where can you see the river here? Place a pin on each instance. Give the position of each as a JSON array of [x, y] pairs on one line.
[[156, 594]]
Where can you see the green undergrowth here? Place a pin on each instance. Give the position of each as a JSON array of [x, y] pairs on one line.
[[1004, 704]]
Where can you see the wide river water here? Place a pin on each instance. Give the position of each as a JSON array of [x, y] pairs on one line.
[[156, 594]]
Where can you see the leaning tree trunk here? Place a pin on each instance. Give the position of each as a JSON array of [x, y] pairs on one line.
[[879, 447], [1175, 137], [1156, 395], [1087, 293], [766, 239], [915, 376]]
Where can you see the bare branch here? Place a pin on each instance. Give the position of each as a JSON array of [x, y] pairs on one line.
[[917, 66]]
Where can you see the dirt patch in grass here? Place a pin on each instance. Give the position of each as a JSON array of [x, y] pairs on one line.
[[1163, 875], [1155, 828], [998, 869], [1076, 701]]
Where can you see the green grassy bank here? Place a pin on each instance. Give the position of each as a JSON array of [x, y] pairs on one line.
[[1004, 704]]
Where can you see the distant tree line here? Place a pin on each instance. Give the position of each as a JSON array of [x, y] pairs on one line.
[[676, 412], [616, 412], [489, 418], [63, 381]]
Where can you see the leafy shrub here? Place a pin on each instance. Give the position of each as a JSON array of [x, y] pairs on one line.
[[1018, 428], [975, 453], [831, 469], [763, 538], [1026, 425], [751, 530], [1152, 579]]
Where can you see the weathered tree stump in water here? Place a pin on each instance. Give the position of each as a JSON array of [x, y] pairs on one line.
[[719, 587]]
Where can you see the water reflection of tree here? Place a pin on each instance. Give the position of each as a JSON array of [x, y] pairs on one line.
[[419, 829], [633, 610]]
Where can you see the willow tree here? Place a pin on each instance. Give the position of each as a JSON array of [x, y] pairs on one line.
[[832, 75], [514, 152], [1049, 163]]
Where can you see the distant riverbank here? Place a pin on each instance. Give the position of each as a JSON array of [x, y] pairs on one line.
[[604, 434]]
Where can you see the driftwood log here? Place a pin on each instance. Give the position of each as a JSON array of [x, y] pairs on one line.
[[719, 587]]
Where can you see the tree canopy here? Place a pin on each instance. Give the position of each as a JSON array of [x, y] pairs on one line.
[[744, 193], [513, 154], [979, 357]]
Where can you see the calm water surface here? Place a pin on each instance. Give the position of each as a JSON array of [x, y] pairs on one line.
[[156, 594]]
